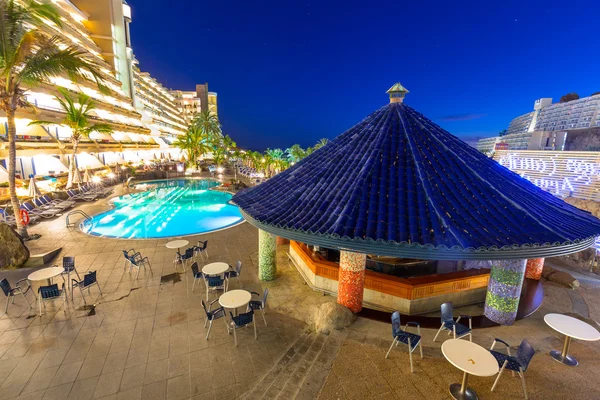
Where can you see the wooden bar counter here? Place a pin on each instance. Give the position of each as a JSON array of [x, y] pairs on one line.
[[408, 295]]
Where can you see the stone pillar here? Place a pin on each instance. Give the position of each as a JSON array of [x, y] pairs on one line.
[[267, 256], [351, 280], [504, 290], [534, 268]]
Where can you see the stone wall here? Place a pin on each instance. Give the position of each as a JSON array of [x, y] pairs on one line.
[[13, 252]]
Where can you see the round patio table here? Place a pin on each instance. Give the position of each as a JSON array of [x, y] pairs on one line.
[[45, 274], [177, 244], [235, 299], [571, 328], [216, 268], [472, 359]]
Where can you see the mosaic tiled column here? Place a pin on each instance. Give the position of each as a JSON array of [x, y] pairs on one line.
[[351, 280], [534, 268], [504, 290], [267, 256]]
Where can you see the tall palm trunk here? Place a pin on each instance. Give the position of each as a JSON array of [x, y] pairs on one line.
[[12, 168], [72, 164]]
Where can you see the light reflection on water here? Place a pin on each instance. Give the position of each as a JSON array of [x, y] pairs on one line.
[[169, 208]]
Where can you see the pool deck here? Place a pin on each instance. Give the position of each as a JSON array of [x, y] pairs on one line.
[[145, 338]]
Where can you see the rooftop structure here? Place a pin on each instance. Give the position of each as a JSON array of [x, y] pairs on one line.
[[191, 103]]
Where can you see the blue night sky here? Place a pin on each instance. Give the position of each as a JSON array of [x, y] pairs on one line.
[[293, 72]]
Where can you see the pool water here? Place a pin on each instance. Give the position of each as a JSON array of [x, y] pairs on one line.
[[167, 208]]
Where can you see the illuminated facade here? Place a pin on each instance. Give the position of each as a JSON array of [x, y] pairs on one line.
[[142, 112], [547, 126], [191, 103]]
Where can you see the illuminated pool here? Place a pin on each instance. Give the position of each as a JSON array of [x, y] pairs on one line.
[[167, 208]]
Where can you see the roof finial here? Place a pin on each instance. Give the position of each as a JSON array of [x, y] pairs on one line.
[[397, 93]]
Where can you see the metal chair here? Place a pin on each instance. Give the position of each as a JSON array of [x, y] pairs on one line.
[[241, 321], [9, 291], [187, 256], [128, 254], [235, 272], [68, 268], [197, 275], [137, 261], [215, 283], [518, 363], [49, 293], [212, 315], [259, 304], [448, 322], [201, 249], [88, 281], [402, 336]]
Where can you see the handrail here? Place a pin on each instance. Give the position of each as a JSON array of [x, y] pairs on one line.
[[85, 216]]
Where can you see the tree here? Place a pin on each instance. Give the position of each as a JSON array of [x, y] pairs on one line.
[[295, 153], [78, 115], [28, 58], [194, 142], [321, 143], [502, 133], [209, 125], [569, 97]]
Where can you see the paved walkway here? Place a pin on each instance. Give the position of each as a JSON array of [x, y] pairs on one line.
[[145, 338]]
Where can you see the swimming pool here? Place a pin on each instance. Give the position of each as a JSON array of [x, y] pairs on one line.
[[167, 208]]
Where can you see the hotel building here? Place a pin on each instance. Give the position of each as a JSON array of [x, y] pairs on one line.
[[142, 112], [548, 126], [191, 103]]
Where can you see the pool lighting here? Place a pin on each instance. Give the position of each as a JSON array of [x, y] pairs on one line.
[[111, 175], [96, 179], [220, 170]]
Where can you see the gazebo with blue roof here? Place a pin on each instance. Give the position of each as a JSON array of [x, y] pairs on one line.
[[396, 184]]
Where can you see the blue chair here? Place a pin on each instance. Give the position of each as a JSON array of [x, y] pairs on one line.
[[128, 254], [402, 336], [9, 291], [213, 315], [50, 293], [197, 275], [215, 283], [448, 322], [235, 272], [137, 261], [88, 281], [185, 257], [201, 249], [241, 321], [518, 363], [259, 304], [68, 268]]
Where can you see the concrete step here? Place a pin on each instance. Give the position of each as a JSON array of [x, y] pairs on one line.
[[301, 372]]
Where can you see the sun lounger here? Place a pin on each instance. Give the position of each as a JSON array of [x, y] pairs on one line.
[[30, 208]]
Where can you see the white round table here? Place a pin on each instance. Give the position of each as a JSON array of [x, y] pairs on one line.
[[216, 268], [177, 244], [45, 274], [571, 328], [472, 359], [235, 298]]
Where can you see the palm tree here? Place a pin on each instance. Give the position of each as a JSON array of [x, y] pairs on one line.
[[194, 142], [321, 143], [208, 124], [77, 117], [28, 58], [276, 160], [295, 153]]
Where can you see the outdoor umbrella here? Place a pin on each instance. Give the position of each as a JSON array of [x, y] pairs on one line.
[[76, 177], [33, 189], [87, 178]]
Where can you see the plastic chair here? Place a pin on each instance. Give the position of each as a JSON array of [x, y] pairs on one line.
[[197, 275], [448, 322], [9, 291], [518, 363], [215, 283], [241, 321], [259, 304], [235, 272], [88, 281], [402, 336], [213, 315], [49, 293], [201, 249]]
